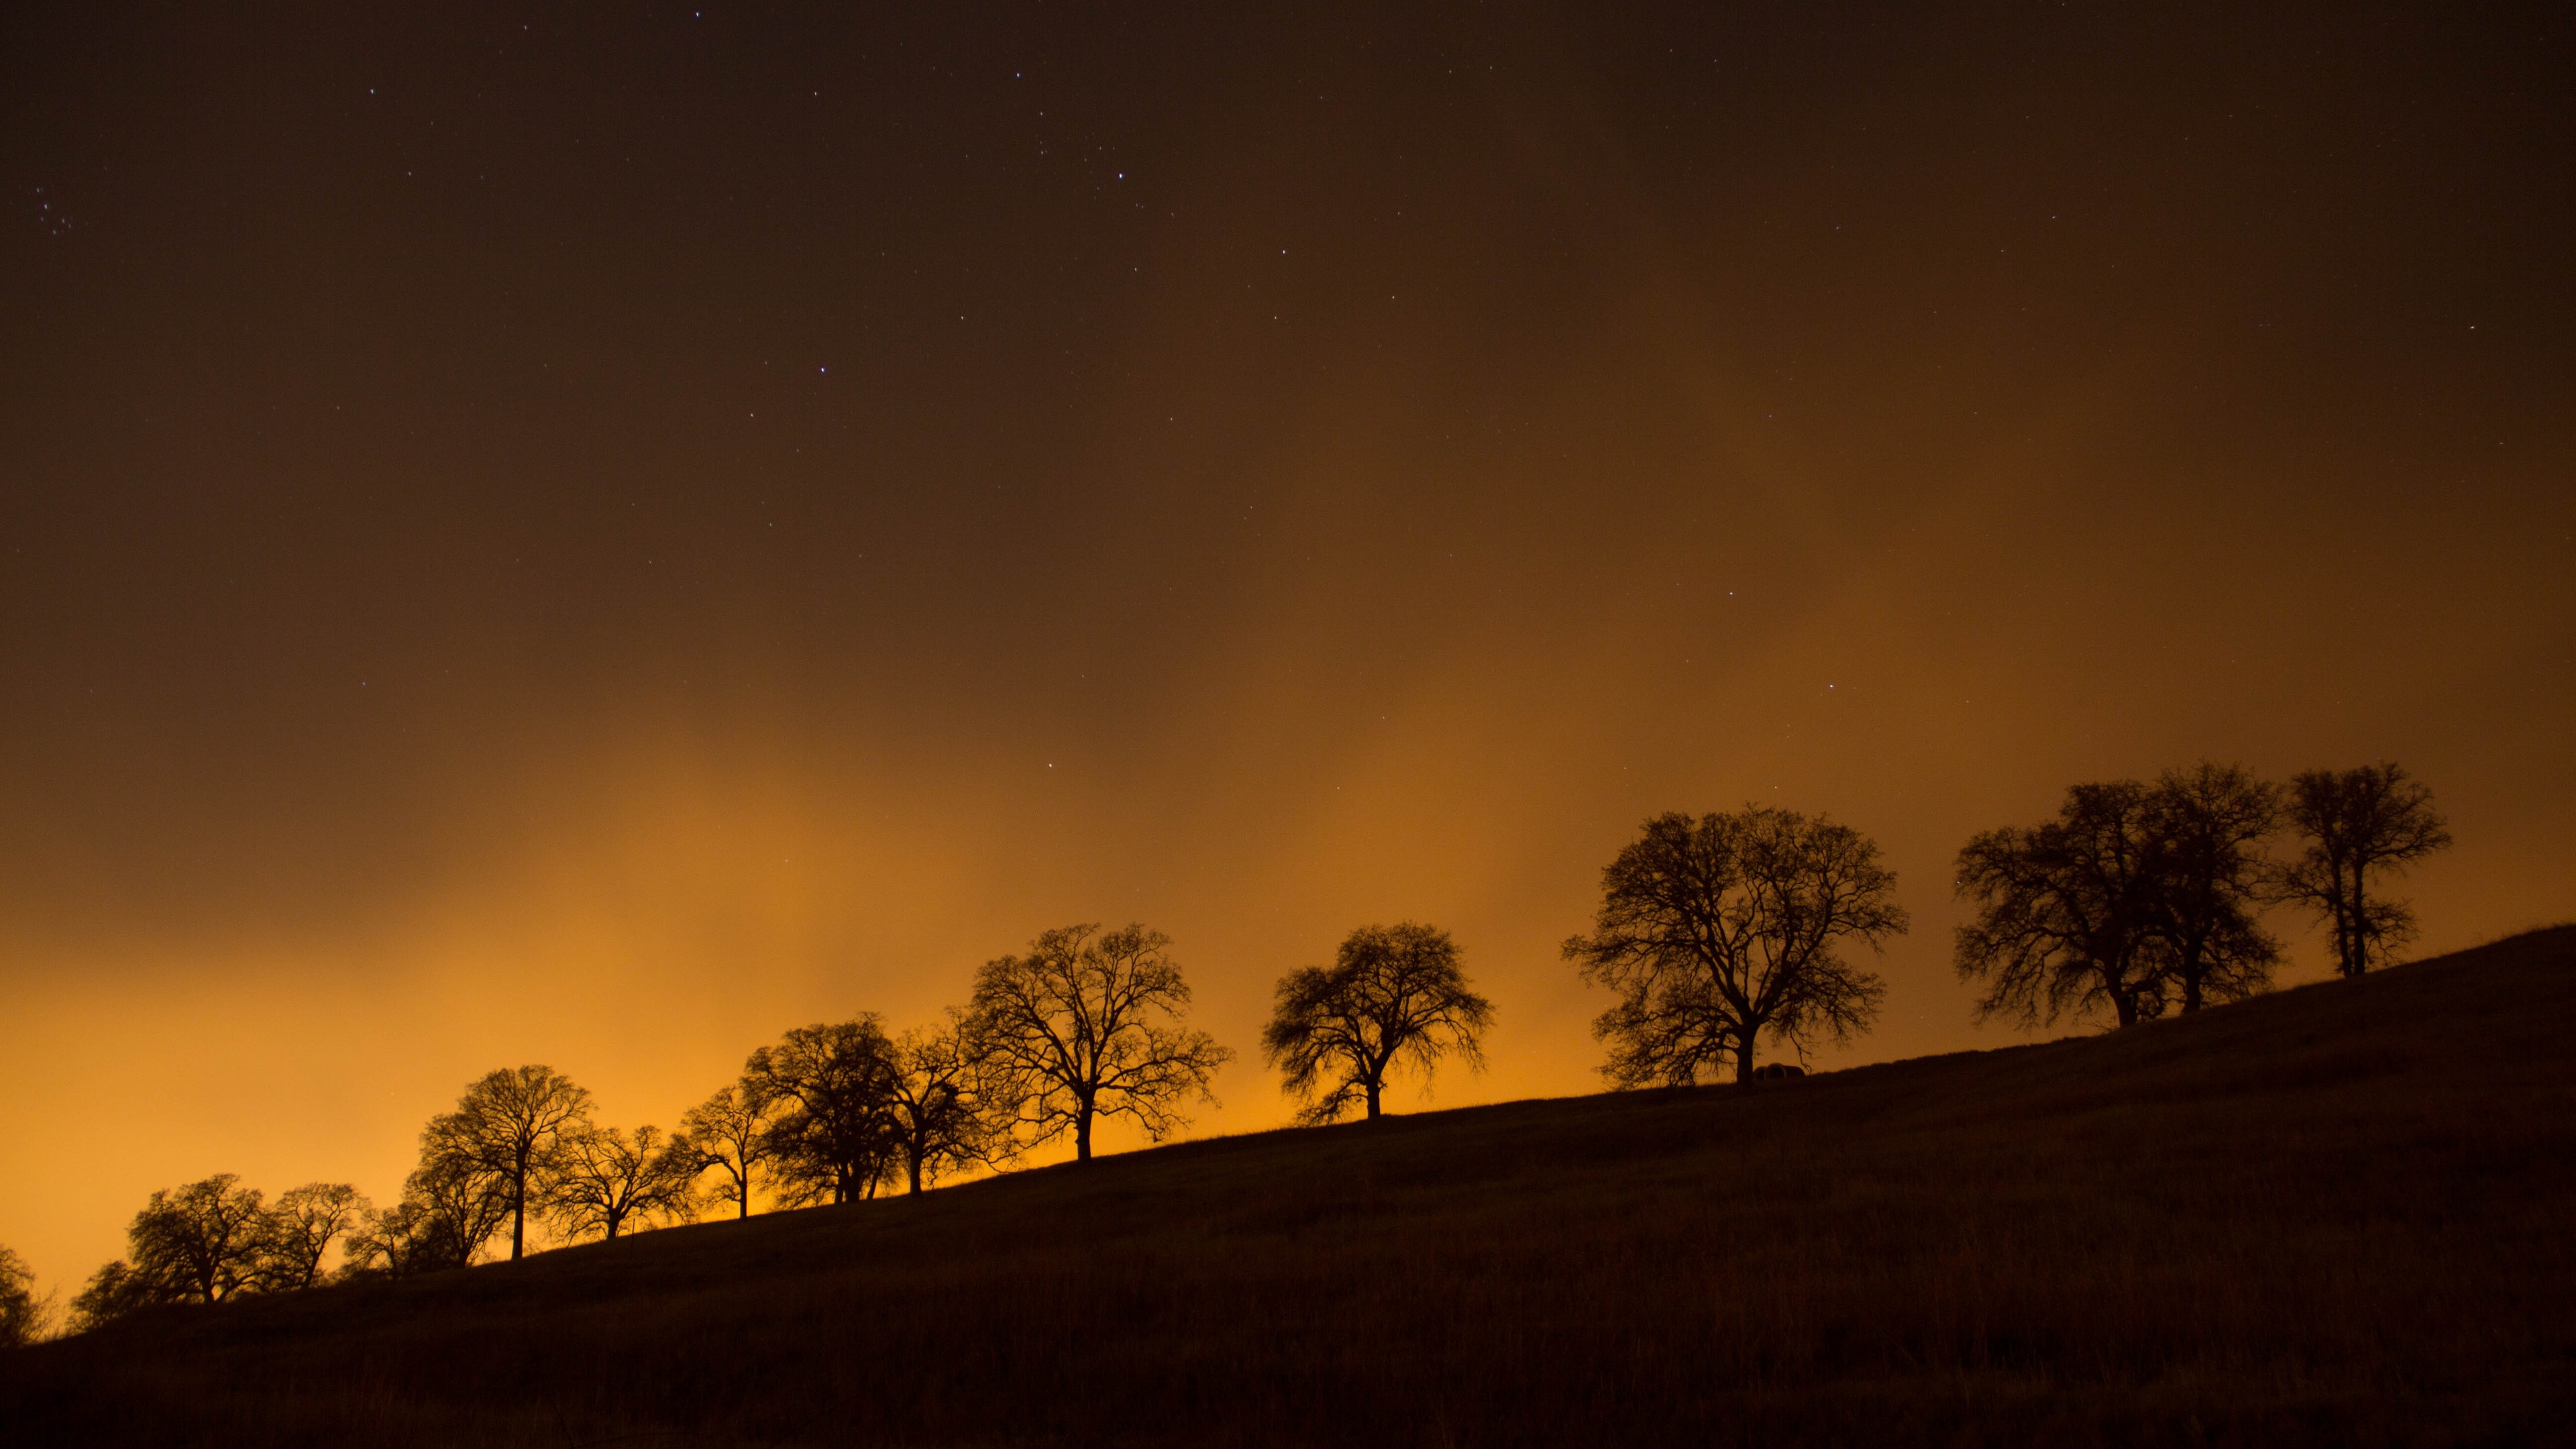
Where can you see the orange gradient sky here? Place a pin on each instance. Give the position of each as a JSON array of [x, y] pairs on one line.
[[586, 538]]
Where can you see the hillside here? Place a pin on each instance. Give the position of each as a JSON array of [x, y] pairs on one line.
[[2334, 1215]]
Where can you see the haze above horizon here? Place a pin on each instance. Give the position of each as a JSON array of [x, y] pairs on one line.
[[540, 535]]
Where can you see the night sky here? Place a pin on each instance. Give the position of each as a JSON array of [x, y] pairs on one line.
[[593, 534]]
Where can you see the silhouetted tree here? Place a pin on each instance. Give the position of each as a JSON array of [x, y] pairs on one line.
[[2066, 911], [201, 1243], [449, 1212], [729, 1132], [602, 1180], [2205, 829], [465, 1207], [942, 1107], [1392, 993], [206, 1238], [1070, 1029], [833, 1083], [395, 1243], [502, 1131], [24, 1317], [115, 1291], [1719, 930], [300, 1229], [2355, 822], [442, 1222]]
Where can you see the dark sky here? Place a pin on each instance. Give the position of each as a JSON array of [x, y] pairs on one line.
[[594, 533]]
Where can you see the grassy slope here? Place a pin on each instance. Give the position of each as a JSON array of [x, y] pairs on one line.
[[2339, 1214]]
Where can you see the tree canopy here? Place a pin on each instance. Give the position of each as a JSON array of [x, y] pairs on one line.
[[2207, 873], [2135, 900], [729, 1132], [1722, 930], [1084, 1026], [500, 1138], [831, 1084], [215, 1239], [1393, 994], [202, 1242], [602, 1179], [301, 1228], [2065, 912], [947, 1101], [23, 1315], [2353, 823]]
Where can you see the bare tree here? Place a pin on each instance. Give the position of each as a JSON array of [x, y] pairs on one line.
[[602, 1180], [942, 1101], [1393, 993], [833, 1086], [1721, 930], [1071, 1028], [428, 1231], [24, 1317], [205, 1239], [2205, 829], [201, 1243], [2355, 822], [301, 1228], [115, 1291], [2066, 917], [730, 1132], [458, 1209], [449, 1213], [502, 1131], [396, 1243]]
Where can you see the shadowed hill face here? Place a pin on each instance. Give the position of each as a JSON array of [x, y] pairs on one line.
[[2332, 1211]]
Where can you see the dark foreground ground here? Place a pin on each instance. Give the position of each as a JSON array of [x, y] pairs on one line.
[[2340, 1215]]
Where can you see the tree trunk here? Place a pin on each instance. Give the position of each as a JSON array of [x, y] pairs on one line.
[[1082, 1132], [912, 1160], [1374, 1086], [2124, 1004], [1744, 1055], [519, 1211], [2343, 922], [744, 1184]]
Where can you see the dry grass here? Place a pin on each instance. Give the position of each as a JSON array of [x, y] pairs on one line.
[[2336, 1215]]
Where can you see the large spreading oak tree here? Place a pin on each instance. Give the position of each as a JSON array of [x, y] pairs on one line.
[[1084, 1025], [831, 1086], [2134, 900], [301, 1228], [1394, 994], [501, 1138], [946, 1101], [1719, 931], [2066, 912], [605, 1180]]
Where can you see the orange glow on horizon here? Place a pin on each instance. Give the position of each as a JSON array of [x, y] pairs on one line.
[[607, 620]]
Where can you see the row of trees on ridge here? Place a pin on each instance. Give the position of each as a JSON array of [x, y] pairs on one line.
[[1083, 1026], [1717, 934], [2143, 898], [1725, 931]]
